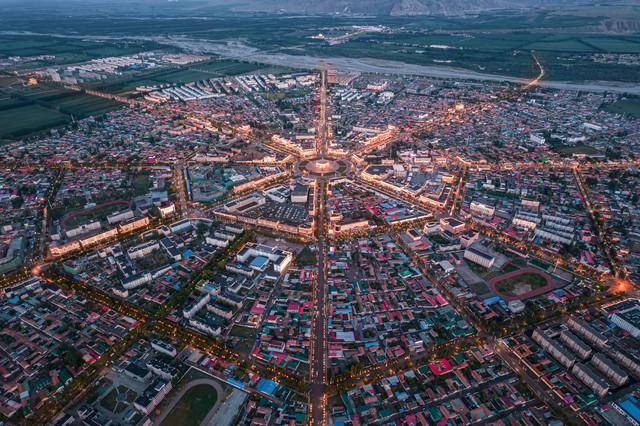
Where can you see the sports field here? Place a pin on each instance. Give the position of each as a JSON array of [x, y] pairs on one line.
[[193, 407], [521, 284], [99, 212]]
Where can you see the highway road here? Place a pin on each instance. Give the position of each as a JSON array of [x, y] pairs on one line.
[[323, 131]]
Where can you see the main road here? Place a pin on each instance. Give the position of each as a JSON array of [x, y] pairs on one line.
[[323, 130], [318, 361]]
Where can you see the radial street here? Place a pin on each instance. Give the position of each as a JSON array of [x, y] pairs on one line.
[[318, 373], [319, 386]]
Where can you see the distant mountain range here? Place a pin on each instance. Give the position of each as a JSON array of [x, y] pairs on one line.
[[396, 7]]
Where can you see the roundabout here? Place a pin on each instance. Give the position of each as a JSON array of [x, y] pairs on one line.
[[322, 167]]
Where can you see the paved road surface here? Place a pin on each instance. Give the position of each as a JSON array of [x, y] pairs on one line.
[[317, 363], [318, 366]]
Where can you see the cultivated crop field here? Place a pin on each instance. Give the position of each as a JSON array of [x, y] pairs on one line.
[[62, 50], [27, 110], [27, 119], [630, 106], [81, 105]]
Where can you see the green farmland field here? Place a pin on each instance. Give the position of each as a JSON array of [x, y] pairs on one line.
[[28, 110], [81, 105], [630, 106], [29, 119]]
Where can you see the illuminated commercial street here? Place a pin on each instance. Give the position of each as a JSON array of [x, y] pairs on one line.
[[318, 362]]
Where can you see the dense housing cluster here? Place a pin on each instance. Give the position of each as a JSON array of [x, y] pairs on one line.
[[292, 247]]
